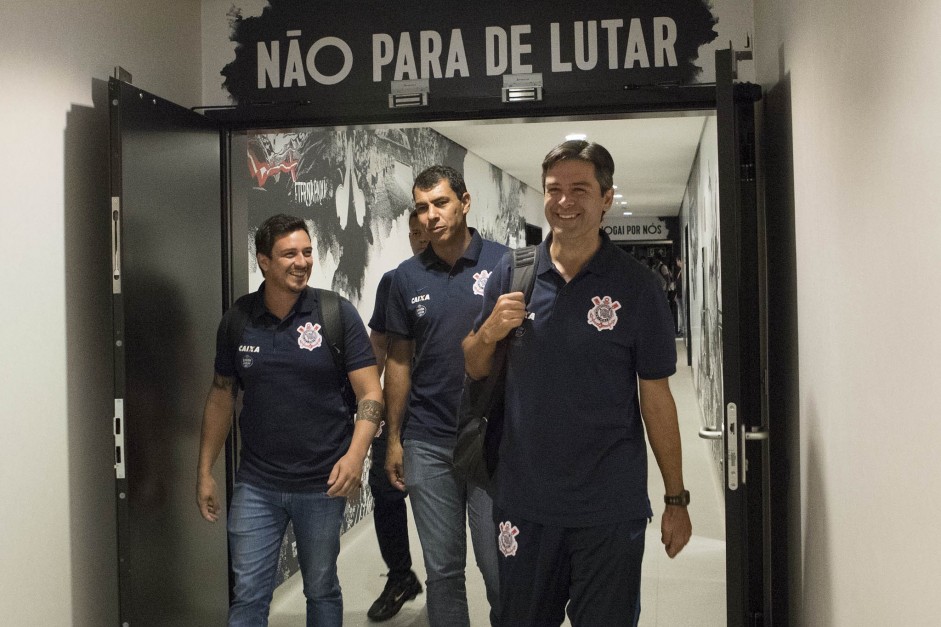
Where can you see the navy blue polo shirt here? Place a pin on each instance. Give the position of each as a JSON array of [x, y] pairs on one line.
[[378, 321], [435, 306], [573, 451], [294, 422]]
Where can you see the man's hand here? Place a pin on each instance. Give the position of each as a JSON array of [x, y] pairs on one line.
[[508, 313], [394, 465], [479, 347], [217, 419], [346, 476], [675, 529], [207, 498]]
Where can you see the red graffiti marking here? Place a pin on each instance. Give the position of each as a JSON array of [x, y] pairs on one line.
[[262, 171]]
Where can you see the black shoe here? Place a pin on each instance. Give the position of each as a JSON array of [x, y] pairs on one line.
[[395, 594]]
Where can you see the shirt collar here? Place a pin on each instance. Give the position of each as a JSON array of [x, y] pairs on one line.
[[599, 264], [428, 257], [305, 302]]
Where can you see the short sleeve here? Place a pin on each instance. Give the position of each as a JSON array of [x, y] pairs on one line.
[[378, 321], [498, 283], [358, 351], [397, 320], [656, 335], [225, 354]]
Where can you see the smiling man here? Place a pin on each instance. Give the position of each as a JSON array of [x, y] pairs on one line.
[[432, 304], [571, 484], [302, 455]]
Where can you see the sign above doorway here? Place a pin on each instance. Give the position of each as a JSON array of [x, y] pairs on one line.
[[331, 55]]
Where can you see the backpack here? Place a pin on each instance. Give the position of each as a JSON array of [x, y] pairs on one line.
[[480, 417], [328, 303]]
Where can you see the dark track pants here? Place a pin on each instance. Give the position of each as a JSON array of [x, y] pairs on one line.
[[595, 570], [389, 513]]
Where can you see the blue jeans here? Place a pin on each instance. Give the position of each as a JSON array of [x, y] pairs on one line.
[[442, 505], [257, 521]]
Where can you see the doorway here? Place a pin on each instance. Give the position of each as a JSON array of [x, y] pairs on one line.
[[649, 104], [353, 186]]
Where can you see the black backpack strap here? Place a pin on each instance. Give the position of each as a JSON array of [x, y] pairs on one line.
[[523, 277], [524, 271], [333, 331]]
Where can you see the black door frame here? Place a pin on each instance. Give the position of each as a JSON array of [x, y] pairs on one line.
[[745, 424], [746, 545], [743, 589]]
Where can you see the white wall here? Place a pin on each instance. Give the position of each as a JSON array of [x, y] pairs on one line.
[[57, 529], [864, 92]]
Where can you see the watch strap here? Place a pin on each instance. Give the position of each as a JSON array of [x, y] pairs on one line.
[[681, 499]]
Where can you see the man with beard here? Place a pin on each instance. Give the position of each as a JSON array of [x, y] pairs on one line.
[[302, 455]]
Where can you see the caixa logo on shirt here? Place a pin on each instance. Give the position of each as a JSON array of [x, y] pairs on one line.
[[248, 349], [421, 310]]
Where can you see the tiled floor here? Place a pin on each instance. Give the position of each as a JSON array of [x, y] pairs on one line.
[[686, 591]]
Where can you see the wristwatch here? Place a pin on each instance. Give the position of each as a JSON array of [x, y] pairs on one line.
[[681, 499]]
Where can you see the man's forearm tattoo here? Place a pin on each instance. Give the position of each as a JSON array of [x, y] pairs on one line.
[[370, 410]]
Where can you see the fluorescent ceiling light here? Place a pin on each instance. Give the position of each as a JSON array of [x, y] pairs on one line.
[[575, 136]]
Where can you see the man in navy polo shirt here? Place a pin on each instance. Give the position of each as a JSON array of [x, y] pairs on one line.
[[571, 484], [301, 453], [432, 304], [389, 513]]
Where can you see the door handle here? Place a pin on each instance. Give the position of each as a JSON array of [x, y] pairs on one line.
[[115, 244], [750, 434], [711, 433], [757, 433]]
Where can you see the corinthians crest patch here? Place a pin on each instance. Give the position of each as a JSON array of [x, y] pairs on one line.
[[480, 282], [310, 337], [603, 315], [507, 538]]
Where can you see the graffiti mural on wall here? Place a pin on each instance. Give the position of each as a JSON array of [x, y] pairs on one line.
[[350, 185], [353, 188], [701, 209]]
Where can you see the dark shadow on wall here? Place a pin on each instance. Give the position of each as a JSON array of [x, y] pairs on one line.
[[90, 403], [783, 371], [817, 587]]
